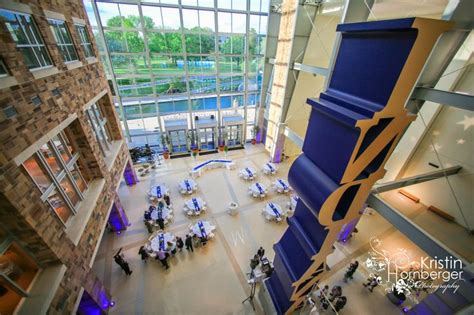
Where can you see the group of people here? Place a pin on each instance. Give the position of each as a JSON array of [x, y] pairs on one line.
[[372, 281], [160, 221], [333, 297], [193, 240]]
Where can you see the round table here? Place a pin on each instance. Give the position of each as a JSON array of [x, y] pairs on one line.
[[269, 169], [187, 186], [208, 229], [258, 190], [248, 173], [165, 214], [282, 186], [195, 206], [154, 241], [157, 192], [273, 211]]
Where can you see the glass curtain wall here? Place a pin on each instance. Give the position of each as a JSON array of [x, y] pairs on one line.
[[172, 57]]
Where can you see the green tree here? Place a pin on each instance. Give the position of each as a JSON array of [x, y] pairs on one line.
[[119, 41]]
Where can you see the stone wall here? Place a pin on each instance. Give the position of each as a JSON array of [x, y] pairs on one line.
[[22, 212]]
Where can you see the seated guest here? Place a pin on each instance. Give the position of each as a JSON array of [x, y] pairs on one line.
[[167, 199], [147, 215], [161, 223], [203, 241], [169, 246], [161, 205], [149, 226], [196, 241]]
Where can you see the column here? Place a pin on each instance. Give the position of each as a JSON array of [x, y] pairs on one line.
[[130, 175], [118, 219]]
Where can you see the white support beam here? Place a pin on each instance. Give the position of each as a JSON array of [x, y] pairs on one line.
[[293, 136], [416, 179], [463, 101]]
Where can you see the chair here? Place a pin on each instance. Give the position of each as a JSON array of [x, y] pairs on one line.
[[190, 213], [255, 195]]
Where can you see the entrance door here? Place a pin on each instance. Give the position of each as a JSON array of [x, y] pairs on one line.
[[206, 138], [178, 140], [235, 135]]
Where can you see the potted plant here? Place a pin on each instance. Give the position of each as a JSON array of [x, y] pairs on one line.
[[226, 149], [195, 153], [165, 141], [166, 153], [221, 145], [194, 148], [255, 131]]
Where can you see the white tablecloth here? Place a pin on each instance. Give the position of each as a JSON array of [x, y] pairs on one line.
[[269, 168], [163, 191], [154, 241], [270, 213], [282, 186], [184, 189], [165, 213], [248, 173], [208, 228], [256, 192], [190, 206]]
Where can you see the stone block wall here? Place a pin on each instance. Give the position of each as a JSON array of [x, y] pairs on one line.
[[22, 213]]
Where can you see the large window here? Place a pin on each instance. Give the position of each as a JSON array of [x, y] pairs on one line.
[[63, 40], [99, 124], [54, 169], [184, 56], [85, 41], [27, 38]]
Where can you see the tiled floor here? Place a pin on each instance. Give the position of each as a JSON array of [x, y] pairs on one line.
[[212, 280]]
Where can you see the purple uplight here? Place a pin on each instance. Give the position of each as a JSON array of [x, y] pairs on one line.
[[405, 310], [112, 303]]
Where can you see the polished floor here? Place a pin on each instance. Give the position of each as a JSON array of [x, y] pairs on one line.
[[213, 279]]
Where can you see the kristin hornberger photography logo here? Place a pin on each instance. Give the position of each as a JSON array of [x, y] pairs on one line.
[[404, 274]]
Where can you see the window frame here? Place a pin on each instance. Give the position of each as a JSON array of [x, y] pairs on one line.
[[56, 179], [61, 42], [85, 40], [39, 42], [98, 122]]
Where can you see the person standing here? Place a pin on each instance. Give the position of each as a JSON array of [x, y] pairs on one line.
[[149, 226], [261, 252], [179, 243], [119, 260], [143, 253], [189, 243], [163, 258]]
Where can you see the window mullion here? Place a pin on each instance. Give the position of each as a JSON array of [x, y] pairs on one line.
[[67, 173], [4, 279], [56, 182], [18, 18]]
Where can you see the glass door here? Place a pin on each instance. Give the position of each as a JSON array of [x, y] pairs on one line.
[[178, 140], [206, 138], [235, 135]]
